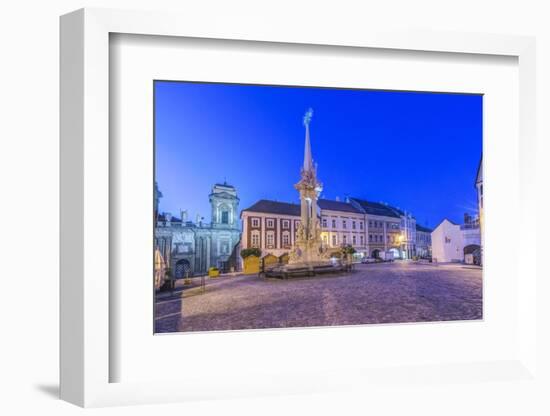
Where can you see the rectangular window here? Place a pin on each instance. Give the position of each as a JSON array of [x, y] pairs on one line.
[[334, 240], [370, 238], [353, 225], [333, 223], [270, 223], [361, 225], [343, 223], [362, 240], [255, 240], [255, 222], [344, 239], [286, 224], [286, 239], [370, 223], [225, 217], [324, 223], [270, 239], [354, 239]]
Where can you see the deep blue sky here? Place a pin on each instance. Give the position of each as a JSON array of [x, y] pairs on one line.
[[417, 151]]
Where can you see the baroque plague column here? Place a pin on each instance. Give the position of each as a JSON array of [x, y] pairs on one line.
[[308, 247]]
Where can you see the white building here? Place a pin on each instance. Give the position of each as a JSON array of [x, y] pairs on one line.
[[343, 224], [479, 188], [451, 242]]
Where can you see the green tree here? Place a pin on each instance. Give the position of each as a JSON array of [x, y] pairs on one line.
[[348, 250]]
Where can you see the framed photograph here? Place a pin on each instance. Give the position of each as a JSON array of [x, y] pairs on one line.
[[281, 246], [273, 212]]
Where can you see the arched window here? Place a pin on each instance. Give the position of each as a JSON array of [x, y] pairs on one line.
[[225, 217], [224, 214]]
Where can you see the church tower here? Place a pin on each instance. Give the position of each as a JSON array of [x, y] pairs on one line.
[[225, 203], [157, 197]]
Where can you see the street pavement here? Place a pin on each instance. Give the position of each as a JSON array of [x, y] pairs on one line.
[[372, 294]]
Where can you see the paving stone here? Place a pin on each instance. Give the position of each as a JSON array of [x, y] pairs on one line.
[[372, 294]]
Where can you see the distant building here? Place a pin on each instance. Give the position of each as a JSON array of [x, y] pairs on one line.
[[386, 229], [452, 242], [342, 223], [423, 241], [189, 247], [479, 188], [372, 228]]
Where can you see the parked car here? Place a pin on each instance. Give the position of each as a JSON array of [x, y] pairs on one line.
[[366, 260]]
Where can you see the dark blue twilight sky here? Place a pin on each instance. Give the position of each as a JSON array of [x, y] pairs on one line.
[[416, 151]]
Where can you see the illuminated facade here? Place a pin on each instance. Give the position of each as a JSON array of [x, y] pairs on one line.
[[372, 228], [192, 247]]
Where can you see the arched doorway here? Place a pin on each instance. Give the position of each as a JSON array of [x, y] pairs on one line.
[[375, 254], [470, 249], [472, 254], [182, 268], [284, 258]]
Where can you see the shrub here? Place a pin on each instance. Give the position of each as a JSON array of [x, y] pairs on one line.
[[251, 252], [348, 249]]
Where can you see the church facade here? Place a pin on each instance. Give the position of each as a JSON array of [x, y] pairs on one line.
[[189, 247]]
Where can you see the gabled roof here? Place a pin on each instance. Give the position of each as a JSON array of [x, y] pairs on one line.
[[331, 205], [448, 220], [376, 208], [274, 207], [423, 229]]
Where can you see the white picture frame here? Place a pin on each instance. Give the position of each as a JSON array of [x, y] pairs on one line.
[[85, 205]]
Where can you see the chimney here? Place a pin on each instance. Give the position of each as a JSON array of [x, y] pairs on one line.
[[184, 216], [338, 198], [167, 217]]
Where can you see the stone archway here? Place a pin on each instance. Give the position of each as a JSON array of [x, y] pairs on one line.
[[472, 254], [471, 249], [182, 268]]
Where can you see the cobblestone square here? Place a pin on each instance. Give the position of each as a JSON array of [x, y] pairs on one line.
[[371, 294]]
